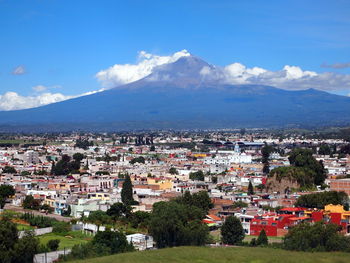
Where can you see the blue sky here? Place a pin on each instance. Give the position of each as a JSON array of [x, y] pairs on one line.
[[62, 44]]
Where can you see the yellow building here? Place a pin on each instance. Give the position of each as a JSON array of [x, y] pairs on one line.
[[345, 215], [163, 183], [99, 196]]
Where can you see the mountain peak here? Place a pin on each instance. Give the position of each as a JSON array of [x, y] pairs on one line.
[[185, 72]]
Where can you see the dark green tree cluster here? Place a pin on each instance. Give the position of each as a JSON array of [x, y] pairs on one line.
[[83, 143], [5, 192], [176, 224], [13, 249], [316, 237], [173, 171], [325, 149], [200, 200], [197, 176], [65, 166], [139, 159], [232, 232], [303, 158], [303, 176], [119, 210], [344, 150], [30, 203], [9, 170], [319, 200], [104, 243]]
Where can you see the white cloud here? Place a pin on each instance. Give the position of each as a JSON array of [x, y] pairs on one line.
[[290, 77], [122, 74], [13, 101], [20, 70]]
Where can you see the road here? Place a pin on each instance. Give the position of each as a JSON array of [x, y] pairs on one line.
[[22, 210]]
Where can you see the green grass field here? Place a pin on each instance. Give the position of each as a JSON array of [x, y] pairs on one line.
[[67, 241], [222, 255]]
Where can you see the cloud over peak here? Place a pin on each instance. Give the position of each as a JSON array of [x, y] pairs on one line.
[[290, 77], [119, 74]]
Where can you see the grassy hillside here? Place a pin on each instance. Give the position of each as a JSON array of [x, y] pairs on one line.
[[218, 255]]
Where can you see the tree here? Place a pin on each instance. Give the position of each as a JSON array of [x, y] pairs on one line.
[[316, 237], [5, 192], [175, 224], [9, 170], [250, 188], [13, 249], [200, 200], [83, 143], [262, 239], [98, 218], [118, 210], [25, 248], [8, 239], [53, 244], [319, 200], [140, 219], [152, 148], [232, 231], [127, 192], [198, 176], [324, 150], [173, 171], [266, 150], [31, 203], [78, 157], [140, 159], [303, 158], [114, 240]]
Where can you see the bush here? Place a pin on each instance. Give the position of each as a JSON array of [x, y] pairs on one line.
[[53, 244], [38, 221], [60, 227], [103, 244], [316, 237]]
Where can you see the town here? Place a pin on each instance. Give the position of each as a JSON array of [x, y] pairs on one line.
[[266, 180]]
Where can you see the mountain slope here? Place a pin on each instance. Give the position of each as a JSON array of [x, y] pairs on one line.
[[177, 95]]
